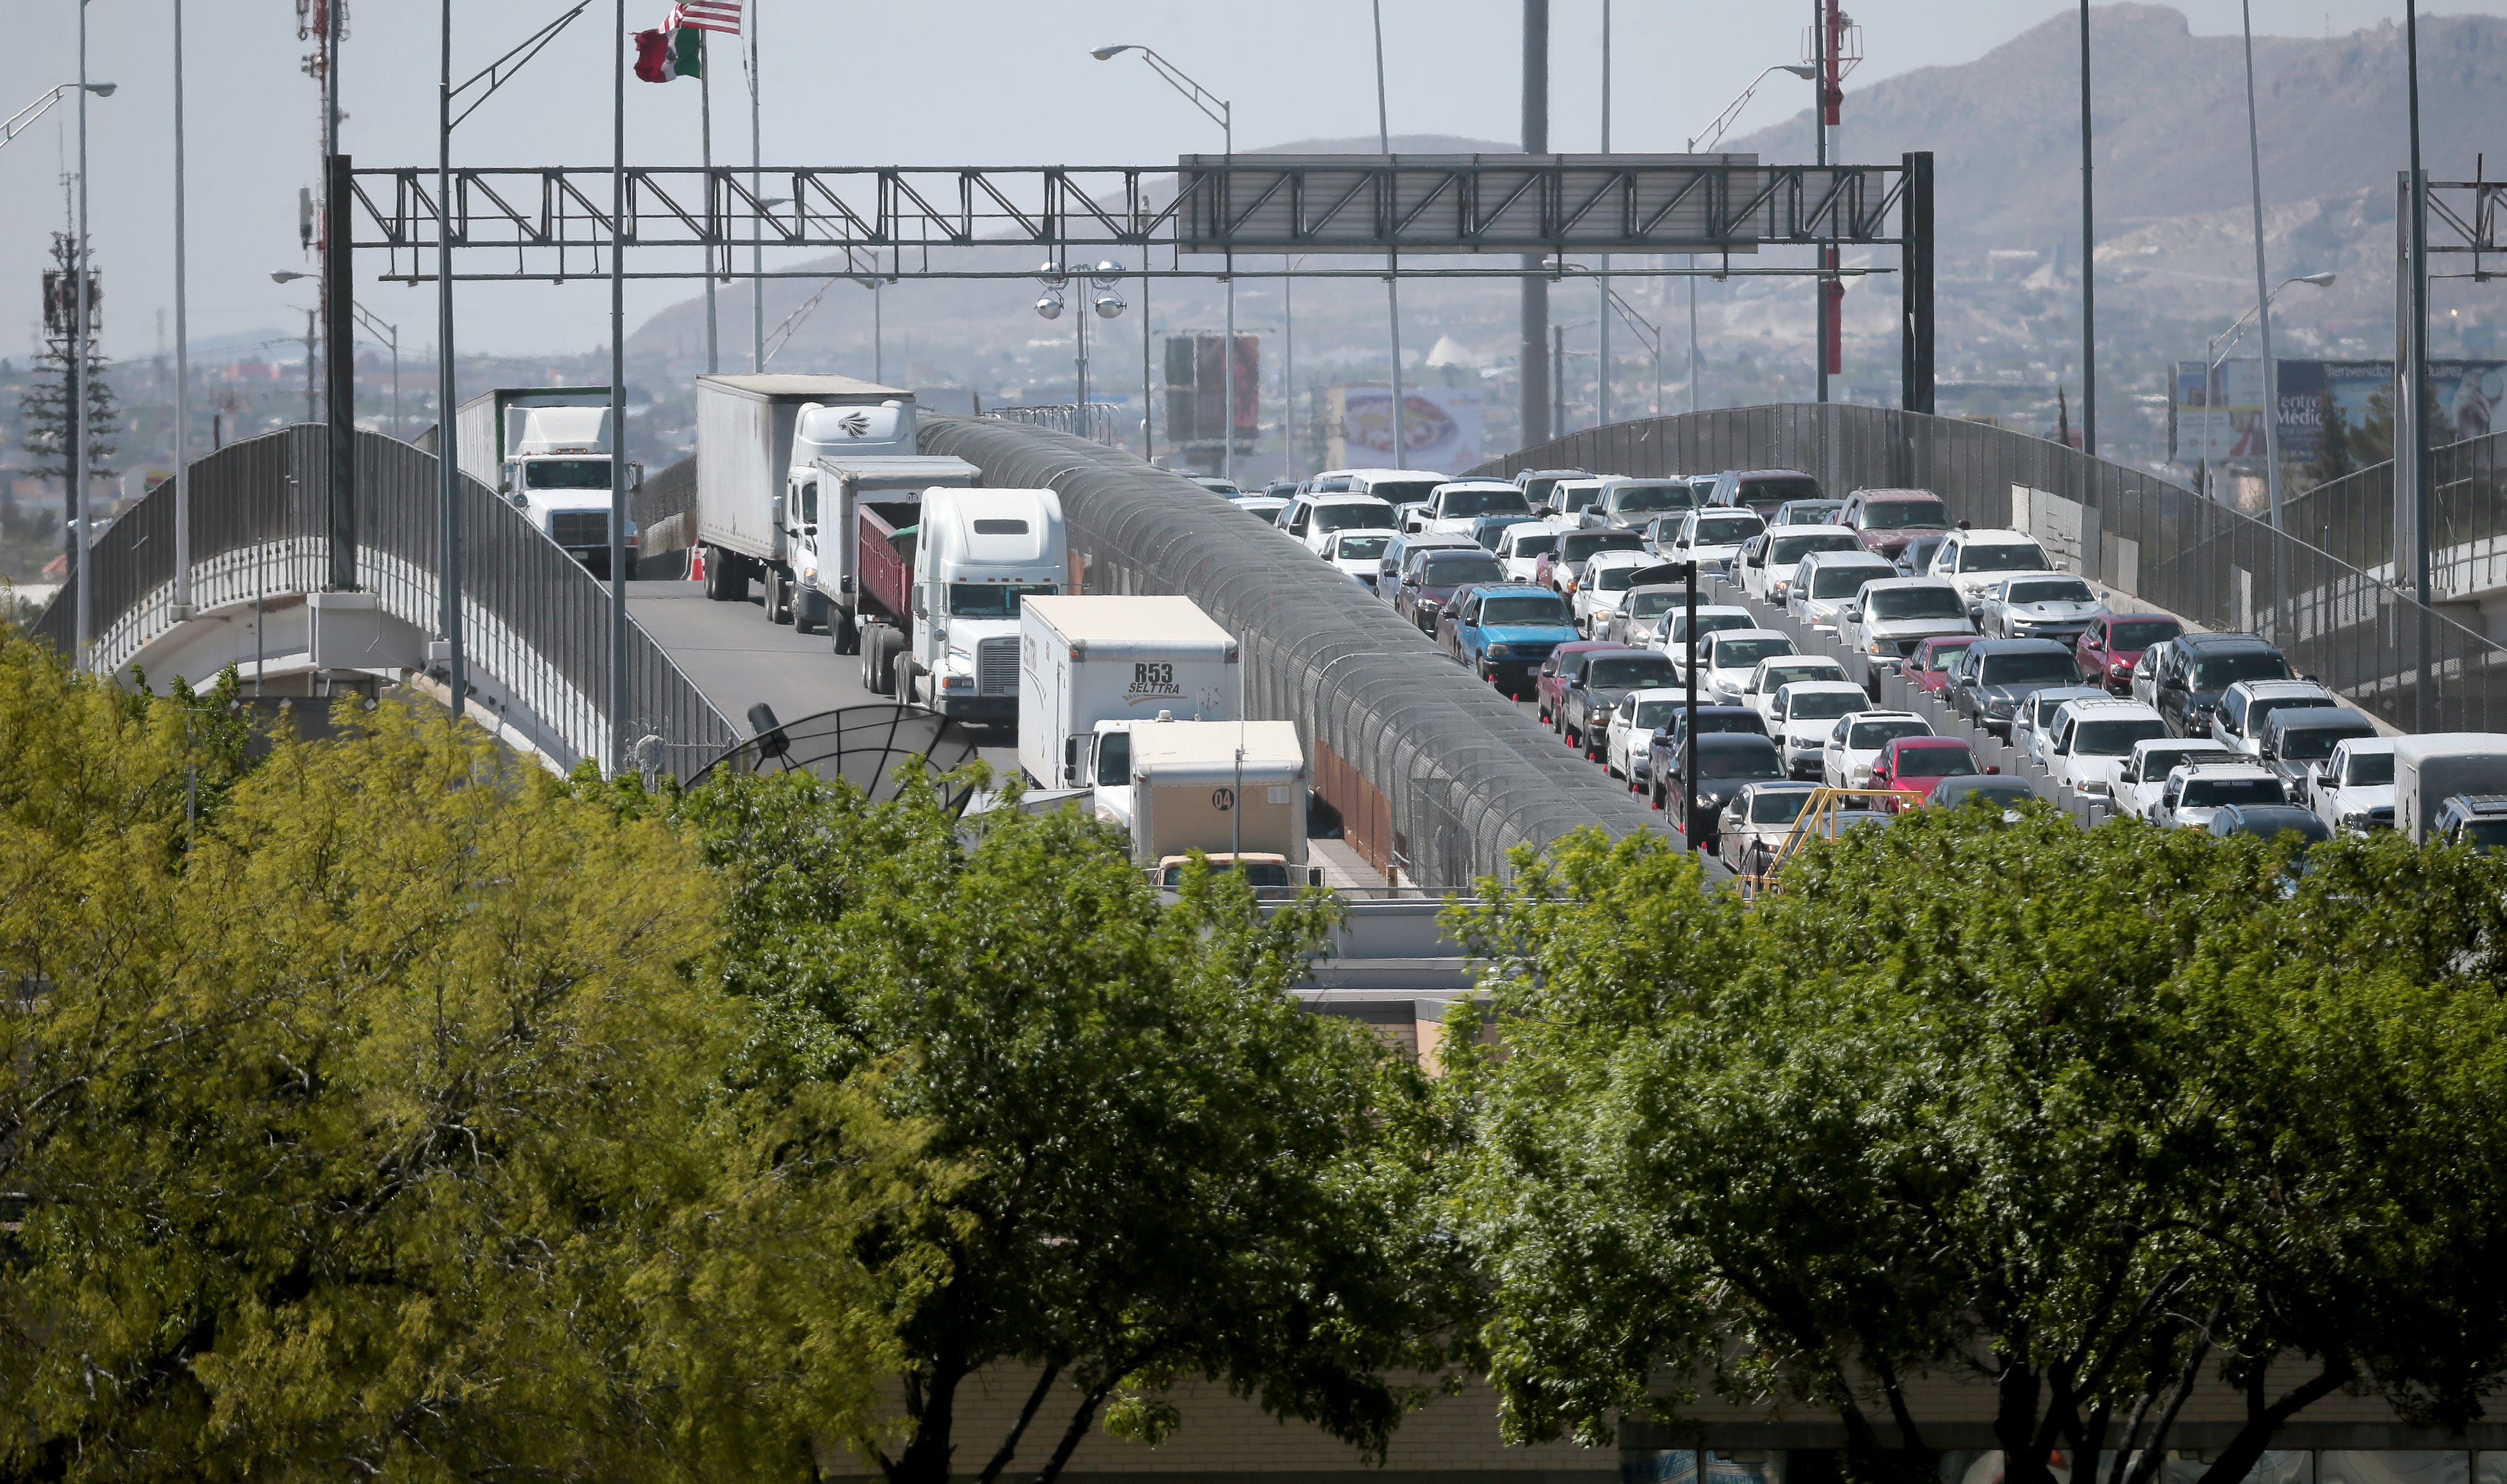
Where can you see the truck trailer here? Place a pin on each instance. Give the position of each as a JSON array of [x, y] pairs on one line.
[[1086, 663], [827, 535], [547, 449], [2432, 769], [757, 438], [1229, 788], [938, 585]]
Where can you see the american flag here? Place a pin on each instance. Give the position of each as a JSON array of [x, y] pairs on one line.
[[708, 14]]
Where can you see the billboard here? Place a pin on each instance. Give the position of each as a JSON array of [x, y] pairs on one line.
[[2321, 401], [1441, 427], [1197, 388]]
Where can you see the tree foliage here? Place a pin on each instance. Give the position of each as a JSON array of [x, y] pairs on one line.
[[2079, 1114], [1138, 1160]]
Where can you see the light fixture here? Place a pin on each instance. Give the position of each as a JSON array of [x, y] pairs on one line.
[[102, 89], [285, 275], [1108, 53], [2320, 281], [1803, 70], [1050, 306], [1052, 275], [1109, 304]]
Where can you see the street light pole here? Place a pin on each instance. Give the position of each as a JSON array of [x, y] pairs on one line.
[[182, 356], [1710, 137], [2216, 351], [2263, 296], [77, 369], [1392, 259], [448, 469], [617, 759]]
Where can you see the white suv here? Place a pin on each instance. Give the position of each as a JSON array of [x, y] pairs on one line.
[[1974, 559], [1314, 518], [2092, 739], [1857, 742]]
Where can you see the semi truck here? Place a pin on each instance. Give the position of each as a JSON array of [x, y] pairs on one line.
[[757, 439], [1087, 664], [938, 585], [825, 529], [2432, 769], [1231, 789], [548, 449]]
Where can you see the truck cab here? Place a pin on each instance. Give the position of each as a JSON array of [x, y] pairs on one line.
[[979, 553], [821, 519], [1214, 786], [549, 453]]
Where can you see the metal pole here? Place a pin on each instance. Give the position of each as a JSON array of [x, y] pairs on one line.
[[397, 429], [1148, 398], [1688, 755], [1227, 424], [705, 134], [77, 379], [312, 366], [182, 358], [1393, 260], [1532, 352], [1288, 367], [1694, 404], [1558, 381], [339, 352], [617, 760], [2088, 264], [1819, 142], [756, 190], [447, 453], [878, 333], [2263, 291], [1602, 353], [2410, 393], [1080, 362]]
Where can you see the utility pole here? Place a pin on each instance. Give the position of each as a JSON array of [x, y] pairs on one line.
[[182, 356], [2411, 385], [1393, 260], [1532, 354], [705, 134], [756, 191], [1602, 354], [81, 295], [2088, 264], [617, 759]]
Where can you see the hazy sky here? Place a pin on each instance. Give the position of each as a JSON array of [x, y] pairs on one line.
[[941, 82]]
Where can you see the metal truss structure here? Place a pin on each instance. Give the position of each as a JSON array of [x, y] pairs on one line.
[[2463, 219]]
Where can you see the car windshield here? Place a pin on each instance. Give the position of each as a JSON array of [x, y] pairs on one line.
[[1538, 489], [1371, 516], [1741, 654], [567, 473], [2047, 703], [2049, 668], [1447, 570], [1826, 706], [2211, 793], [1906, 515], [994, 599], [2260, 709], [1846, 581], [2485, 834], [2310, 744], [1615, 579], [1788, 549], [1481, 502], [1397, 491], [2115, 739], [1943, 760], [1655, 713], [2367, 770], [1576, 498], [1916, 602], [1771, 492], [1646, 499], [1526, 608], [1652, 604], [1726, 530], [2052, 589], [2003, 556], [2221, 671], [1630, 671], [1780, 805], [1364, 548], [1708, 624], [1578, 545], [2143, 633], [1538, 544], [1742, 762], [1778, 674], [1873, 735]]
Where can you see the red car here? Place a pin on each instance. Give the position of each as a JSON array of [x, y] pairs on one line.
[[1928, 666], [1912, 764], [1552, 685], [1885, 520], [2109, 648]]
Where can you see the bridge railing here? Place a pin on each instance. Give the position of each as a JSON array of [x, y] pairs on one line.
[[2131, 530], [2352, 518], [1433, 771], [537, 623]]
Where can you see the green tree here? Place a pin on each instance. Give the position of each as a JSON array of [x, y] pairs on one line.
[[345, 1113], [1138, 1160]]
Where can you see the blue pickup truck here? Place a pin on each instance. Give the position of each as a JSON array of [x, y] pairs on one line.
[[1504, 630]]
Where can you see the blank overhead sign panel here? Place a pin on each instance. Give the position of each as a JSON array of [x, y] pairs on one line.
[[1526, 203]]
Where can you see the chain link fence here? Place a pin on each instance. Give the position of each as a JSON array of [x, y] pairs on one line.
[[1097, 421], [2140, 535], [538, 624], [1433, 772], [2352, 518]]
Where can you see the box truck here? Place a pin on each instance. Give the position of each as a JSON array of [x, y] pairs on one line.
[[1228, 789], [938, 585], [547, 449], [756, 438], [1086, 663], [827, 529], [2430, 770]]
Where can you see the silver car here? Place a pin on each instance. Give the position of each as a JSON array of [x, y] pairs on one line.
[[2039, 606]]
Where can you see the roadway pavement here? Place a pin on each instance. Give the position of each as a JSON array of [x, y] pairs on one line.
[[738, 659]]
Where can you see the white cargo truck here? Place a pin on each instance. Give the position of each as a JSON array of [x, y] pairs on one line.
[[547, 449], [758, 437], [2430, 770], [1222, 788], [1086, 664], [824, 529], [940, 582]]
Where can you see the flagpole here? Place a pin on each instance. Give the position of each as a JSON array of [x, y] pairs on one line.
[[756, 176], [617, 759], [713, 217], [447, 468]]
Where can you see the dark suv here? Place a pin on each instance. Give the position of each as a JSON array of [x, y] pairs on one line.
[[1995, 675], [1762, 489], [2197, 669]]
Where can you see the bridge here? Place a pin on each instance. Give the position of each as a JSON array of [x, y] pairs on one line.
[[1435, 775]]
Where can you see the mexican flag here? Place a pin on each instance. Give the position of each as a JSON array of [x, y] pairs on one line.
[[675, 50]]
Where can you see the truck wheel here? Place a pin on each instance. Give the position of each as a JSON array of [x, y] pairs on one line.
[[878, 649], [842, 632], [900, 678], [808, 611], [778, 597], [717, 574]]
